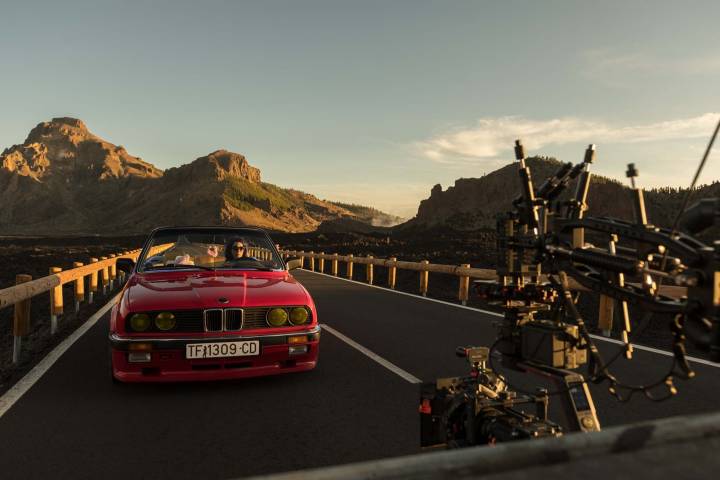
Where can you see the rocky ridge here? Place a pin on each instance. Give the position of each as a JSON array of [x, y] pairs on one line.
[[473, 203], [65, 146], [65, 180]]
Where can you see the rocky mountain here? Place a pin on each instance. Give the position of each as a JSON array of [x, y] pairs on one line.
[[65, 180], [473, 203]]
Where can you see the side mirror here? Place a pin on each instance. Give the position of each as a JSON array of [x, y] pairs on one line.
[[125, 264], [293, 263]]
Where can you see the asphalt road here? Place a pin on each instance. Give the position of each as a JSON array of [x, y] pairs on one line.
[[75, 423]]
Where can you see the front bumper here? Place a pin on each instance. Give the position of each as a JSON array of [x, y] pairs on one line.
[[168, 362]]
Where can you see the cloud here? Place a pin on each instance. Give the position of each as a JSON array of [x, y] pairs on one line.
[[622, 69], [492, 137]]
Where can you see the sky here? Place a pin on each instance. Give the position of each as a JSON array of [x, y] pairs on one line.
[[373, 102]]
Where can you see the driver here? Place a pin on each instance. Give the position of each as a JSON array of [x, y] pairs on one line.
[[235, 249]]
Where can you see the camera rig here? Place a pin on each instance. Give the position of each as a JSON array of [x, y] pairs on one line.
[[549, 252]]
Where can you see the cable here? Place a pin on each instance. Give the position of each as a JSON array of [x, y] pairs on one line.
[[686, 200], [603, 373], [694, 180]]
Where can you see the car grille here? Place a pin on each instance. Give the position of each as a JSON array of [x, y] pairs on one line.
[[233, 319], [211, 320], [189, 321], [255, 318]]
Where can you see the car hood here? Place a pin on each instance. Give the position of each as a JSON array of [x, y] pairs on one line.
[[185, 290]]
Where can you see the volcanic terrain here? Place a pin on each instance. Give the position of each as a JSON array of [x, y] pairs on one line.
[[65, 180]]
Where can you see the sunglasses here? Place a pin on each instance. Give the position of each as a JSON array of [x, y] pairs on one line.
[[238, 247]]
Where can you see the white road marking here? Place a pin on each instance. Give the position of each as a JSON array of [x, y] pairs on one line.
[[656, 350], [701, 361], [373, 356], [25, 383]]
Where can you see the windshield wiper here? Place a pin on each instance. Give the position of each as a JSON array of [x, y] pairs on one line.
[[202, 267], [173, 267], [248, 267]]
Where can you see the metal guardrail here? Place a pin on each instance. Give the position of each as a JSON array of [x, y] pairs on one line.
[[100, 269], [661, 436], [99, 275], [464, 271]]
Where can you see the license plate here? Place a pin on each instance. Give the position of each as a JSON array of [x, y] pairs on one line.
[[222, 349]]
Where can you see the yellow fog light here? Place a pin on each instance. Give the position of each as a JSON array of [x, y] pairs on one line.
[[140, 322], [298, 316], [297, 339], [165, 321], [277, 317], [140, 347]]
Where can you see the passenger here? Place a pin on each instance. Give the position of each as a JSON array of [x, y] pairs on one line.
[[184, 260]]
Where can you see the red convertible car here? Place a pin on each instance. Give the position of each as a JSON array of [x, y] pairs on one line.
[[207, 303]]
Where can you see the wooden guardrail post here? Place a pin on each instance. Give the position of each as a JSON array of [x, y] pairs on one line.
[[79, 288], [312, 261], [301, 256], [21, 320], [369, 270], [350, 266], [121, 274], [104, 277], [464, 288], [321, 263], [113, 272], [392, 272], [56, 302], [424, 274], [93, 286], [334, 266]]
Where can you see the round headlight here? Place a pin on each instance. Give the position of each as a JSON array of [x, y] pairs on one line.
[[298, 316], [277, 317], [140, 322], [165, 321]]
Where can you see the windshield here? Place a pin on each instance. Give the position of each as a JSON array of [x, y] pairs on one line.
[[209, 249]]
